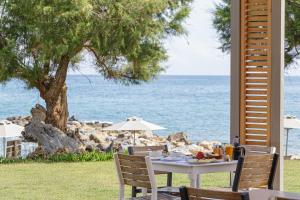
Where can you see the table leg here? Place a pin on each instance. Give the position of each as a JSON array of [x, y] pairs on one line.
[[232, 174], [198, 181], [193, 180]]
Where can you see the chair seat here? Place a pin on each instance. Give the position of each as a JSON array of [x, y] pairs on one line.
[[165, 190], [159, 197], [169, 190], [222, 189], [159, 172]]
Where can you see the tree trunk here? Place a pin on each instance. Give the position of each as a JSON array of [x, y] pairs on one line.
[[57, 110]]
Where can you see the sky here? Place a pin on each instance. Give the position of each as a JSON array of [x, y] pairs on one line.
[[198, 53]]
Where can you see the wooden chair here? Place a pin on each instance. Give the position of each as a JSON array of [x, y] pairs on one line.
[[137, 171], [200, 194], [255, 171], [282, 198], [143, 151], [255, 150]]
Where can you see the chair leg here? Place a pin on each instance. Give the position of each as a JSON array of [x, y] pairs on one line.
[[144, 191], [154, 194], [169, 179], [122, 192], [133, 191], [230, 178]]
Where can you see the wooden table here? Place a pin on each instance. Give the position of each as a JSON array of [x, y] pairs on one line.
[[193, 170], [264, 194]]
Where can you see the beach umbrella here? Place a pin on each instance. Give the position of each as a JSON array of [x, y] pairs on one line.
[[134, 124], [290, 122], [8, 129]]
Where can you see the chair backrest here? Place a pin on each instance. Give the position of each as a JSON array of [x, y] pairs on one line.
[[255, 149], [135, 171], [143, 151], [187, 193], [255, 171]]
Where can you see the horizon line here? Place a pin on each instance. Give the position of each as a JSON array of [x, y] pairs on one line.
[[176, 75]]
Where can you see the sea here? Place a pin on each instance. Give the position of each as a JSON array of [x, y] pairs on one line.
[[196, 105]]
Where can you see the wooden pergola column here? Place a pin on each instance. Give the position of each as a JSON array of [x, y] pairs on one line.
[[257, 65]]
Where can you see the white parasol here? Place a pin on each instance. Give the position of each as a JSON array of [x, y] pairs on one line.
[[134, 124], [8, 129], [290, 122]]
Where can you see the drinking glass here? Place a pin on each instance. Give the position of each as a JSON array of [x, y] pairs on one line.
[[229, 150]]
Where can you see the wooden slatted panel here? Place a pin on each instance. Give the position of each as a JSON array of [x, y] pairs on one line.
[[255, 105], [134, 171], [199, 194], [256, 171]]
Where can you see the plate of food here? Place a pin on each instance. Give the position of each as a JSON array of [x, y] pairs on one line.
[[203, 161]]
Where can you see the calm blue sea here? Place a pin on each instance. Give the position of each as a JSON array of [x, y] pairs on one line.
[[197, 105]]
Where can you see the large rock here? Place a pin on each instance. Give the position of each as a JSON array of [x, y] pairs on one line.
[[180, 138], [107, 146], [73, 118], [51, 139], [21, 121], [38, 113]]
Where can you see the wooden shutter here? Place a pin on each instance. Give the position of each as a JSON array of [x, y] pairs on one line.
[[255, 95]]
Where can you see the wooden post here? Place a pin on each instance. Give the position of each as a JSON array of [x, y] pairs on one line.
[[235, 70], [277, 98], [257, 64]]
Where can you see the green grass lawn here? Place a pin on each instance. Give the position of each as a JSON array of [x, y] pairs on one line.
[[93, 180]]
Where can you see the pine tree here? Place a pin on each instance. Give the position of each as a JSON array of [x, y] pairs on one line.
[[40, 40]]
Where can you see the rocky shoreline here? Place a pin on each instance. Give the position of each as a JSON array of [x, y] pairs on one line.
[[90, 136]]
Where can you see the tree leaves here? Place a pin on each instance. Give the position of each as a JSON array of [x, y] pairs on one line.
[[221, 23], [125, 37]]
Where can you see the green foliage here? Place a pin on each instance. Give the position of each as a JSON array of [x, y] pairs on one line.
[[40, 40], [125, 37], [83, 157], [221, 23], [11, 161], [63, 157]]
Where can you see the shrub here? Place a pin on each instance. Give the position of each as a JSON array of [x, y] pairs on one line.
[[63, 157], [82, 157], [11, 160]]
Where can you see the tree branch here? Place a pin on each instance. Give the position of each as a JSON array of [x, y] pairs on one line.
[[108, 71]]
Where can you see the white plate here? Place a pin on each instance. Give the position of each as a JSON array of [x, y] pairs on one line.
[[155, 158], [170, 159], [192, 161], [196, 161]]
